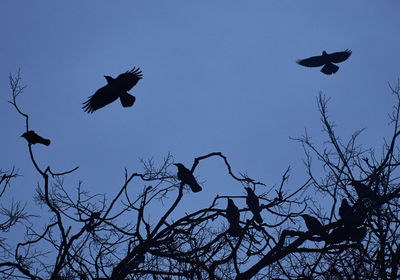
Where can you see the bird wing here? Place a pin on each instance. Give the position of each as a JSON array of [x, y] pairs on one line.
[[101, 98], [130, 78], [337, 57], [314, 61]]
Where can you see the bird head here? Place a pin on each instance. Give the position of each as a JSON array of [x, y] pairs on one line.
[[249, 190], [24, 135], [179, 165], [324, 53], [109, 79]]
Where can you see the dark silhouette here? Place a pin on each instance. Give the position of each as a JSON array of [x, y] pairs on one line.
[[364, 191], [33, 138], [337, 235], [233, 217], [115, 88], [187, 178], [345, 209], [326, 60], [358, 234], [313, 225], [254, 205]]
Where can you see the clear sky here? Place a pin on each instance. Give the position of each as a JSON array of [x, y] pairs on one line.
[[217, 76]]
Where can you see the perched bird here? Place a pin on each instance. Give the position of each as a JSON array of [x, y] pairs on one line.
[[326, 60], [313, 225], [233, 217], [337, 235], [345, 209], [186, 177], [364, 191], [358, 234], [115, 88], [33, 138], [254, 205]]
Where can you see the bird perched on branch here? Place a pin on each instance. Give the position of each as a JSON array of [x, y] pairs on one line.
[[254, 205], [187, 178], [358, 234], [364, 191], [115, 88], [327, 60], [34, 138], [313, 225], [345, 209], [233, 217]]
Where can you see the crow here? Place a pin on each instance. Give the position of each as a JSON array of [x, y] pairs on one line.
[[345, 209], [33, 138], [233, 217], [364, 191], [186, 177], [358, 234], [337, 235], [254, 205], [115, 88], [326, 60], [313, 225]]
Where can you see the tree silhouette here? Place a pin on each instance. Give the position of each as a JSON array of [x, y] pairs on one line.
[[99, 236]]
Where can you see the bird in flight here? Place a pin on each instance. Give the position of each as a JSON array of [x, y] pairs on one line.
[[115, 88], [254, 205], [326, 60], [186, 177], [34, 138]]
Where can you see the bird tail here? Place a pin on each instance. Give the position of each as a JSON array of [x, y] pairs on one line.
[[235, 230], [258, 218], [329, 68], [195, 187], [45, 141], [126, 99]]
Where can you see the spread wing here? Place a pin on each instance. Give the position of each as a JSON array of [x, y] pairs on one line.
[[314, 61], [101, 98], [337, 57], [127, 80]]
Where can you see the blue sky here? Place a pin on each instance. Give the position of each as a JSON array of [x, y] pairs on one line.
[[217, 76]]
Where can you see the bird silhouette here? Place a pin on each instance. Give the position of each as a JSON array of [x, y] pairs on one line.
[[313, 225], [254, 205], [34, 138], [337, 235], [187, 178], [233, 217], [327, 60], [364, 191], [358, 234], [345, 209], [115, 88]]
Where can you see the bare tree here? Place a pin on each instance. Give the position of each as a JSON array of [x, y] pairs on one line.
[[88, 236]]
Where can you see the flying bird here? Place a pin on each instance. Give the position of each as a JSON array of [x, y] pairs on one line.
[[115, 88], [254, 205], [233, 217], [326, 60], [33, 138], [187, 178]]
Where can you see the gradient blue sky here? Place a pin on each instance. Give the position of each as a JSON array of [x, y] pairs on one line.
[[217, 76]]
